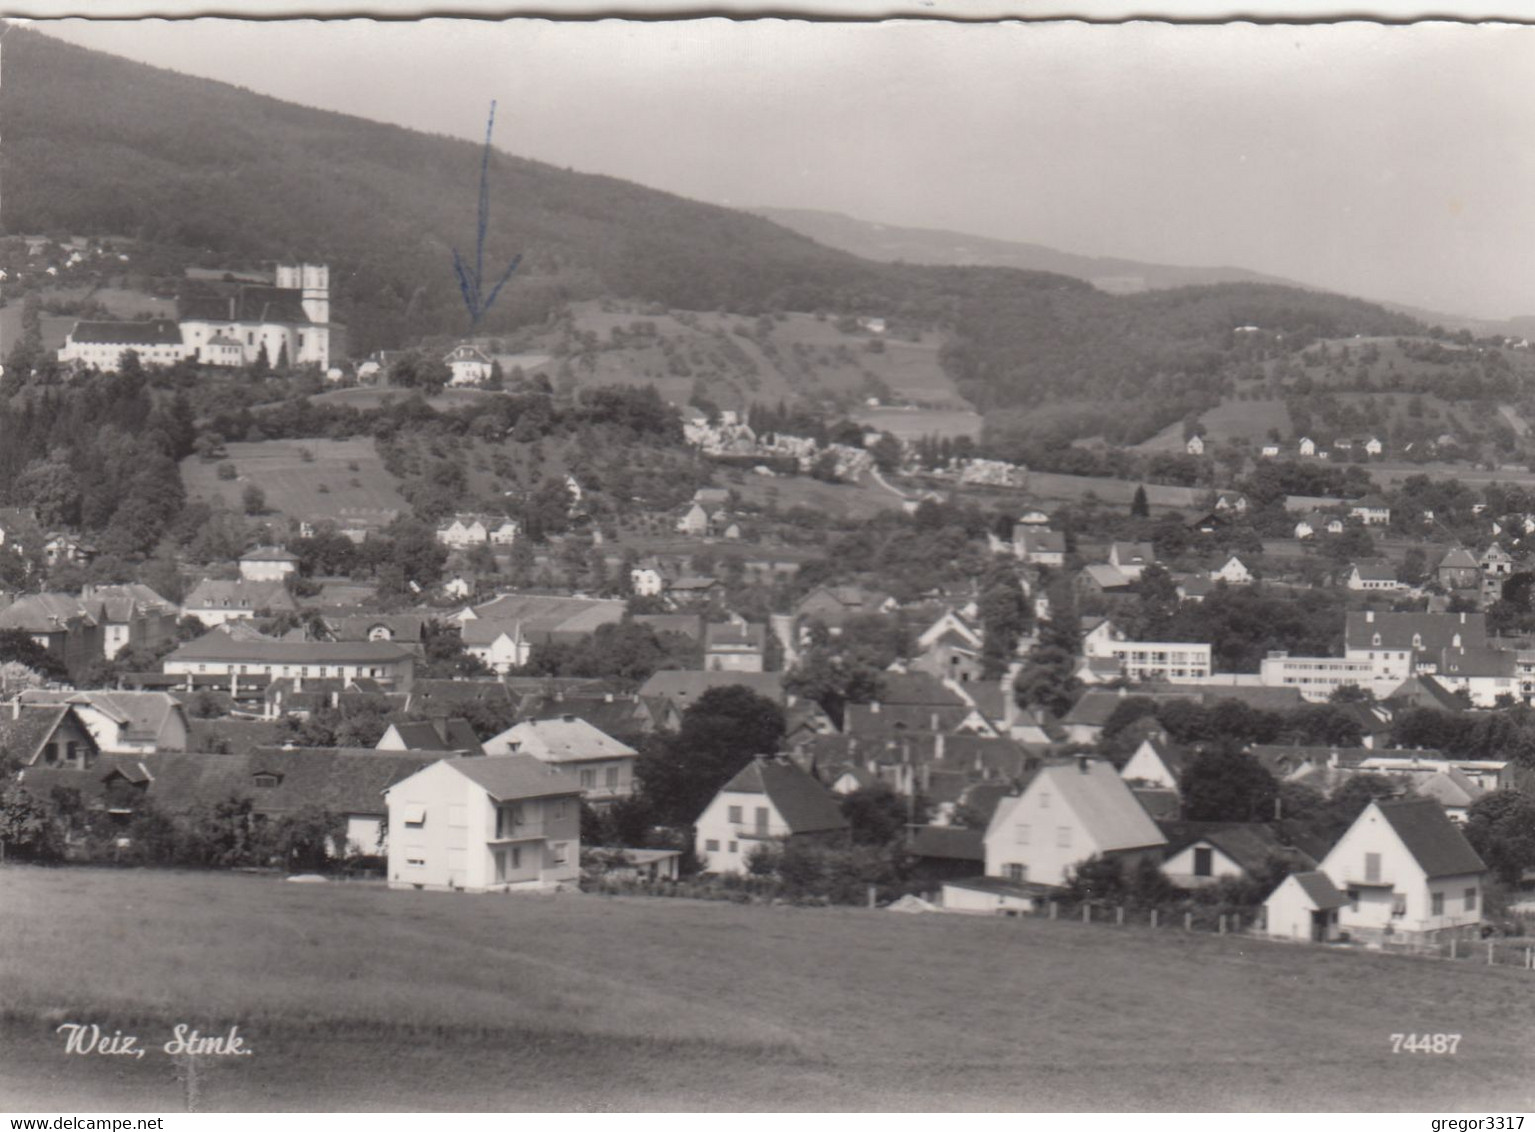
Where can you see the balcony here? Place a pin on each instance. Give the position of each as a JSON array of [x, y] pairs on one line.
[[525, 831]]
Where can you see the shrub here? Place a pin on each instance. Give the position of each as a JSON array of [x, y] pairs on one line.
[[227, 471]]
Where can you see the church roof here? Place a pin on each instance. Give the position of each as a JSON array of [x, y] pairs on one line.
[[246, 303], [155, 332]]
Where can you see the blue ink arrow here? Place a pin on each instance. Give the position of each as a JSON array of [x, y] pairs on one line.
[[472, 285]]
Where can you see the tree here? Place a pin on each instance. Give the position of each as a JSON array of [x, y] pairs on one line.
[[253, 500], [1227, 786], [1501, 828], [878, 815], [1004, 619], [16, 646], [721, 732], [28, 829], [833, 680], [1140, 508]]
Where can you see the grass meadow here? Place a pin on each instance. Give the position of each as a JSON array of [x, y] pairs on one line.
[[352, 997], [327, 484]]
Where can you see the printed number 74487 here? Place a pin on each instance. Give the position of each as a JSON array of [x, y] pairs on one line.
[[1424, 1043]]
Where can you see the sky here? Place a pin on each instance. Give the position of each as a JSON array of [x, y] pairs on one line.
[[1392, 162]]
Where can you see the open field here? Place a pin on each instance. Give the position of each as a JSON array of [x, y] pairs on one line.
[[354, 997], [1230, 420], [910, 424], [292, 484], [841, 500], [1054, 486]]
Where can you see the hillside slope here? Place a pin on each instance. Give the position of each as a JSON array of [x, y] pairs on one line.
[[887, 243]]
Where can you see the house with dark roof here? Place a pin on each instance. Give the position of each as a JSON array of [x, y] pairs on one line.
[[1156, 764], [1458, 570], [47, 735], [268, 564], [1409, 874], [225, 653], [1304, 906], [769, 802], [1400, 644], [734, 646], [124, 723], [1200, 854], [498, 823], [946, 852], [438, 735], [1374, 576], [213, 601], [1484, 674], [101, 344], [683, 687]]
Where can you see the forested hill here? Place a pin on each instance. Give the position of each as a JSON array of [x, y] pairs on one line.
[[98, 145]]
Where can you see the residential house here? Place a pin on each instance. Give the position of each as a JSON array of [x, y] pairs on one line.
[[947, 852], [1484, 674], [647, 579], [1234, 573], [1069, 813], [222, 653], [1497, 566], [1372, 511], [694, 521], [408, 630], [1200, 854], [1269, 451], [1148, 660], [1156, 765], [468, 364], [602, 766], [439, 735], [66, 548], [1409, 874], [1459, 570], [1304, 906], [834, 605], [1232, 501], [1195, 446], [1038, 546], [59, 623], [1131, 558], [1399, 645], [216, 601], [46, 735], [734, 646], [1307, 446], [1373, 577], [124, 723], [485, 824], [770, 802], [683, 687], [267, 564], [1373, 446], [1102, 578]]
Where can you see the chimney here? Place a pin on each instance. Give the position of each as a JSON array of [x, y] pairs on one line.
[[16, 707], [567, 719], [607, 698], [1369, 616], [335, 699], [1462, 618], [934, 718], [938, 745], [1084, 764]]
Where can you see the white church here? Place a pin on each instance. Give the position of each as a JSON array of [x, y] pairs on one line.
[[289, 317]]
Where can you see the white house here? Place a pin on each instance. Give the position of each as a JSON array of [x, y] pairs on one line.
[[499, 644], [1269, 451], [267, 564], [469, 365], [1408, 872], [601, 765], [1068, 813], [1372, 511], [695, 521], [124, 723], [464, 531], [647, 580], [1131, 558], [1233, 573], [1374, 576], [770, 801], [485, 824], [1195, 446], [1373, 446], [1304, 906], [1154, 765], [1307, 446]]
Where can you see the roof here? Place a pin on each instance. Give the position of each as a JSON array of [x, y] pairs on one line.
[[339, 780], [1375, 571], [676, 684], [1426, 631], [1458, 559], [544, 613], [1424, 691], [730, 635], [232, 736], [1372, 502], [1452, 788], [1432, 838], [913, 688], [438, 735], [154, 332], [220, 646], [1095, 706], [357, 626], [23, 734], [142, 714], [268, 554], [949, 842], [239, 593], [882, 718], [1104, 806], [1106, 576], [1036, 541], [1319, 889], [565, 738], [248, 302], [1249, 844], [508, 777], [688, 625], [1474, 663], [436, 695], [803, 803], [1128, 553]]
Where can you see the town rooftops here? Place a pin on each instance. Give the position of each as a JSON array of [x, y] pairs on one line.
[[1439, 848], [508, 777], [1458, 558], [268, 554], [565, 738], [1473, 663], [439, 734], [239, 593], [153, 332], [804, 804], [141, 714], [686, 686], [1092, 790]]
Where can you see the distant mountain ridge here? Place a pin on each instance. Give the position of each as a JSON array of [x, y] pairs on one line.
[[886, 243]]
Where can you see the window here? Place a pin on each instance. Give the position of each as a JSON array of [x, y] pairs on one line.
[[1063, 837], [51, 753], [1353, 900], [588, 779], [1017, 872], [1044, 799], [1204, 864], [416, 862], [267, 781], [1436, 904], [1470, 900], [711, 845], [734, 847], [762, 819], [1398, 905], [557, 808], [1372, 866], [558, 853], [611, 778], [735, 815], [1020, 834], [415, 815]]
